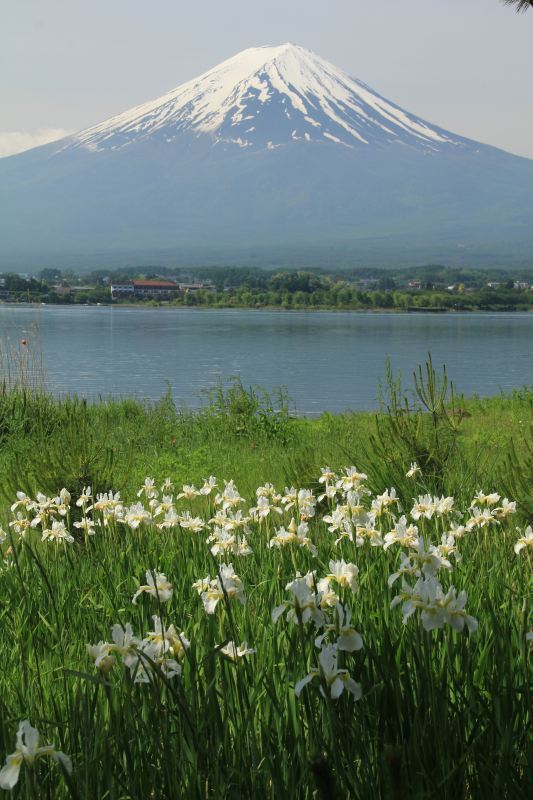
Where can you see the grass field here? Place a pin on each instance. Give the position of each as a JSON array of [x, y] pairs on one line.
[[195, 689]]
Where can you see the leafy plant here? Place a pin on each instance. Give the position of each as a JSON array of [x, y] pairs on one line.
[[425, 430], [520, 5], [73, 452], [252, 413], [515, 474]]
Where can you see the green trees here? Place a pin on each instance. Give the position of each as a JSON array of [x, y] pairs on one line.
[[50, 275]]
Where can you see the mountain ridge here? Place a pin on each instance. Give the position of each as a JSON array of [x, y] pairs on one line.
[[274, 150]]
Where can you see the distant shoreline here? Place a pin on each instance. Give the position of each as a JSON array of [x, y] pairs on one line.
[[281, 309]]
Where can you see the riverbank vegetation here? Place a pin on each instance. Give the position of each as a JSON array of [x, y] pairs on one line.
[[270, 606], [431, 288], [345, 298]]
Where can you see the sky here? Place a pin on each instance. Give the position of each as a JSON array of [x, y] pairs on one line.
[[466, 65]]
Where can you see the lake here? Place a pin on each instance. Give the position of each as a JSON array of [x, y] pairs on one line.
[[327, 360]]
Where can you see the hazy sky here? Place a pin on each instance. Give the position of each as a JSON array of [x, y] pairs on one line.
[[466, 65]]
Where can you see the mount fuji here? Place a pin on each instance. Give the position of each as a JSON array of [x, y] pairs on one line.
[[274, 156]]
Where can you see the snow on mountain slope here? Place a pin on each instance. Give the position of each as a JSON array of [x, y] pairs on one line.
[[268, 97]]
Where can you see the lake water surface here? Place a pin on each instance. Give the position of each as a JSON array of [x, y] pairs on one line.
[[327, 360]]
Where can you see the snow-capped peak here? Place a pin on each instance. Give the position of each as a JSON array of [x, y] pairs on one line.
[[269, 97]]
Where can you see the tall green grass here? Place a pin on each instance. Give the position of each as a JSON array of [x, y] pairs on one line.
[[442, 714]]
